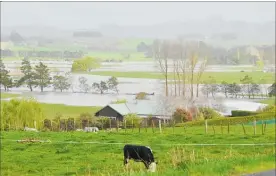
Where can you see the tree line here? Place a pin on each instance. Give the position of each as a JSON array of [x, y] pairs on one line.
[[248, 88], [42, 54], [189, 65], [218, 55], [39, 76]]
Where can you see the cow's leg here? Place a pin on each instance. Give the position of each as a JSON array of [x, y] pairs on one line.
[[146, 164], [125, 161]]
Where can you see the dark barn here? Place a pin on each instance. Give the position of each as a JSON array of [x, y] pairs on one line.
[[143, 109], [108, 111]]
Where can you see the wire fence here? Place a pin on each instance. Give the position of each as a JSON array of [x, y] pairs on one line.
[[163, 144]]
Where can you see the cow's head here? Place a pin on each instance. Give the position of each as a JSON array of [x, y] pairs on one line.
[[152, 167]]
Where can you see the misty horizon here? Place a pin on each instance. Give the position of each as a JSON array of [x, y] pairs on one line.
[[92, 15]]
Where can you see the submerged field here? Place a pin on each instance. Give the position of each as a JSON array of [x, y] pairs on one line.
[[106, 157]]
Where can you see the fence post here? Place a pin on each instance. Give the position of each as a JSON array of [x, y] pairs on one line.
[[262, 127], [214, 129], [74, 124], [117, 125], [173, 125], [147, 125], [254, 126], [160, 128], [243, 129], [35, 124], [110, 123], [221, 127], [152, 125], [125, 124], [132, 125], [206, 126], [228, 127]]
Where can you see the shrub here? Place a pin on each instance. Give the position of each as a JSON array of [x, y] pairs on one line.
[[85, 64], [119, 101], [268, 108], [209, 113], [182, 115], [231, 120], [141, 96], [18, 113], [238, 113], [132, 119], [70, 124], [47, 124]]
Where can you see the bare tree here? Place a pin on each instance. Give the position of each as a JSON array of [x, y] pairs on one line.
[[192, 65], [161, 54], [182, 65], [200, 73]]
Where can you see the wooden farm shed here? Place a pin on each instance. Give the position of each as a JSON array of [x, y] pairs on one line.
[[143, 109]]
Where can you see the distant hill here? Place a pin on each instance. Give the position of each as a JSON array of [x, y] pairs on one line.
[[217, 32]]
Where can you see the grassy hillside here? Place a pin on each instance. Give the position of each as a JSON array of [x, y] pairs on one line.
[[51, 110]]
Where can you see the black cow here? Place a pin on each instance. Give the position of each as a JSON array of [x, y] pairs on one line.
[[139, 154]]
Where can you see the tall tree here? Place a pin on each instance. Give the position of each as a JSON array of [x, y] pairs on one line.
[[28, 77], [192, 65], [84, 86], [5, 78], [234, 89], [247, 81], [224, 88], [61, 83], [254, 89], [112, 84], [200, 73], [101, 87], [161, 55], [42, 76], [272, 90]]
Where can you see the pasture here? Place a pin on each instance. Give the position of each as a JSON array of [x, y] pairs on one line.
[[51, 110], [8, 95], [229, 77], [269, 101], [60, 157]]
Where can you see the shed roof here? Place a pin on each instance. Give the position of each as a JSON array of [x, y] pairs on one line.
[[141, 107]]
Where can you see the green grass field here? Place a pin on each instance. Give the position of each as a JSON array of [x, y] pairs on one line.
[[229, 77], [134, 56], [269, 101], [51, 110], [105, 159], [8, 95]]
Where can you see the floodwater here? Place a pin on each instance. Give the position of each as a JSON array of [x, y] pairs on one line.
[[126, 86]]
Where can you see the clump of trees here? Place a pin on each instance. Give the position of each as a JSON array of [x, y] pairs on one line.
[[102, 87], [5, 78], [182, 115], [132, 120], [34, 77], [208, 113], [141, 96], [18, 113], [85, 64]]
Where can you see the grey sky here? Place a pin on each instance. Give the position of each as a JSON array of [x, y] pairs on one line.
[[77, 15]]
